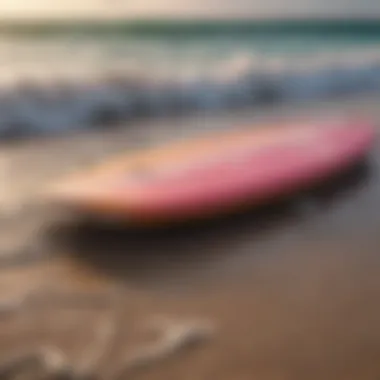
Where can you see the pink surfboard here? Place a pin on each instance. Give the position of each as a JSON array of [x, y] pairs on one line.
[[217, 173]]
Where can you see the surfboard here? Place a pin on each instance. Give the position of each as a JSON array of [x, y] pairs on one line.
[[216, 173]]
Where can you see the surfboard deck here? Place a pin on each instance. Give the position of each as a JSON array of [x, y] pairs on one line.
[[216, 173]]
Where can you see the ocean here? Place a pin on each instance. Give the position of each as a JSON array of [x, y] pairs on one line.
[[63, 75]]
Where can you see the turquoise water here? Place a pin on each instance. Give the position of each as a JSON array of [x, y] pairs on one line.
[[175, 42]]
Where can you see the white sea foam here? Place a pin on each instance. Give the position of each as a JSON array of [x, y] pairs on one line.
[[41, 100]]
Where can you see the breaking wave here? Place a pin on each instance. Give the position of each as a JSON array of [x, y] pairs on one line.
[[36, 103]]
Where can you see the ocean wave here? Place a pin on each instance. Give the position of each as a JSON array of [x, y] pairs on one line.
[[38, 103]]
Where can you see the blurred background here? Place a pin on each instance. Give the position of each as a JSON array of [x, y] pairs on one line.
[[75, 65]]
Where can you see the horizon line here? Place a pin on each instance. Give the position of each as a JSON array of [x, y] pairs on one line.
[[184, 18]]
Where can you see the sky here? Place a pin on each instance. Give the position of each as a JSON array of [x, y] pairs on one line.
[[185, 8]]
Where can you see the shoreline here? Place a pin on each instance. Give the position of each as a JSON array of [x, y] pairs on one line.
[[49, 158]]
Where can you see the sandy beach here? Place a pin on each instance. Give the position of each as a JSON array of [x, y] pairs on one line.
[[292, 289]]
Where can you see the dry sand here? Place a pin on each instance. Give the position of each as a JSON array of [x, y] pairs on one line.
[[292, 289]]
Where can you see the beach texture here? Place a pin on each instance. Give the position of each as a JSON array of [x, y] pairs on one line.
[[291, 291]]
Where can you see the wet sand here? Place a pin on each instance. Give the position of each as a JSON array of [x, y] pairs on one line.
[[293, 288]]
